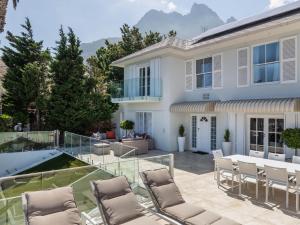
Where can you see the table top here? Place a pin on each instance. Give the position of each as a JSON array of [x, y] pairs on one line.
[[260, 163]]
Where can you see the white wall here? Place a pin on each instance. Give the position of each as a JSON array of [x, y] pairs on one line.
[[16, 162]]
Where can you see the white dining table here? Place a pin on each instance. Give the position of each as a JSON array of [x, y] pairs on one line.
[[261, 162]]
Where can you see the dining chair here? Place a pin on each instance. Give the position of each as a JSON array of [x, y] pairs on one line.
[[257, 154], [226, 169], [277, 178], [296, 159], [276, 156], [218, 153], [297, 188], [248, 173]]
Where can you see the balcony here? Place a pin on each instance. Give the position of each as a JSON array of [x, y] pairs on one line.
[[137, 91]]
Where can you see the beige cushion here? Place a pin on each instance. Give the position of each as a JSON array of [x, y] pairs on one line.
[[142, 221], [167, 195], [225, 221], [118, 202], [204, 218], [183, 211], [68, 217], [158, 177], [45, 207]]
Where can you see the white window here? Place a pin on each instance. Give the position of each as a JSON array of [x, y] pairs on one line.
[[189, 75], [243, 67], [144, 81], [204, 73], [143, 123], [266, 63]]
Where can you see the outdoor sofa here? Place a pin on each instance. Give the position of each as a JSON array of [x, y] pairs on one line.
[[117, 203], [169, 201]]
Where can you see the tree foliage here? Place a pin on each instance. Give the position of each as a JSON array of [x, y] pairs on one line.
[[25, 82]]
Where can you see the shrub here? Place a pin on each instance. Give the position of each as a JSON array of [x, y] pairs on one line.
[[181, 131], [6, 123], [127, 125], [227, 135], [291, 137]]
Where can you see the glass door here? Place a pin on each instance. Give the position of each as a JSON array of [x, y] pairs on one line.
[[257, 134], [275, 143], [144, 81]]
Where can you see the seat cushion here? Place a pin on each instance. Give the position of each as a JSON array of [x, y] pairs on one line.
[[68, 217], [204, 218], [42, 203], [167, 195], [141, 221], [158, 177], [122, 208], [183, 211], [107, 189], [225, 221]]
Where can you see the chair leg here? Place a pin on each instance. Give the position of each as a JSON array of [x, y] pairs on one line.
[[287, 198], [297, 201], [267, 190], [256, 190], [218, 177], [240, 185], [232, 182]]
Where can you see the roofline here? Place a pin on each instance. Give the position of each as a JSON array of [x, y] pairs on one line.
[[249, 25]]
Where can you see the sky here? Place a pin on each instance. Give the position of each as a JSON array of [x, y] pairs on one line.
[[95, 19]]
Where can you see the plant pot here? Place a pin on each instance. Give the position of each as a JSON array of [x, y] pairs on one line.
[[181, 144], [227, 148]]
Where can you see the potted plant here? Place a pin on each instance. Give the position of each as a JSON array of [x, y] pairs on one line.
[[291, 137], [181, 138], [227, 144], [127, 125]]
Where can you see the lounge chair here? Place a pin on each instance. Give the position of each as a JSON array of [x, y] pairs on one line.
[[51, 207], [118, 204], [169, 202]]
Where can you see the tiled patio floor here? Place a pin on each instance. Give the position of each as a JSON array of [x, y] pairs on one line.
[[195, 178]]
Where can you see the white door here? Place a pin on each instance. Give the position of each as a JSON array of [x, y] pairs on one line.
[[265, 134], [201, 133]]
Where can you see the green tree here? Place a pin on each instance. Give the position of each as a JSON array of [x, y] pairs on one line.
[[76, 99], [152, 38], [26, 79]]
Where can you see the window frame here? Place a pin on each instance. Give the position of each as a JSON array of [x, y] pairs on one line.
[[203, 88], [252, 63], [144, 112], [144, 66]]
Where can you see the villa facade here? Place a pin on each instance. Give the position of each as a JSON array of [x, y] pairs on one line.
[[242, 76]]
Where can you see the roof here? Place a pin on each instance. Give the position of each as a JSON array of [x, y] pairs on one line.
[[3, 7], [213, 35], [251, 21]]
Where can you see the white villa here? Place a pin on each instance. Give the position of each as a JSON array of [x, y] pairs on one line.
[[242, 76]]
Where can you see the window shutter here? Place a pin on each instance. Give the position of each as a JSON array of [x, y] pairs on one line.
[[189, 75], [289, 60], [243, 67], [217, 71]]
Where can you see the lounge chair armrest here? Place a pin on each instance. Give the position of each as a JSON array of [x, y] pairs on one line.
[[86, 218], [292, 178], [261, 172]]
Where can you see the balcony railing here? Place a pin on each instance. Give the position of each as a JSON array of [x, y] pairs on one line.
[[137, 90]]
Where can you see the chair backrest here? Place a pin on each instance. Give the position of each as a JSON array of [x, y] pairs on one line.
[[225, 164], [298, 178], [275, 156], [247, 168], [218, 153], [116, 201], [276, 174], [40, 206], [162, 188], [296, 159], [257, 154]]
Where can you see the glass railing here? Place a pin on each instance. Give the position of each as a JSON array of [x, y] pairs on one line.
[[27, 141], [137, 88]]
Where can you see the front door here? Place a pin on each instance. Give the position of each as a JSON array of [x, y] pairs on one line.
[[201, 133], [265, 134]]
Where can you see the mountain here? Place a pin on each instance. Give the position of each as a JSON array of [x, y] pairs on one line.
[[89, 49], [201, 18]]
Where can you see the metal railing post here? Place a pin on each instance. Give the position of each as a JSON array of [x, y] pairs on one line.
[[80, 147], [171, 164], [71, 144], [90, 149]]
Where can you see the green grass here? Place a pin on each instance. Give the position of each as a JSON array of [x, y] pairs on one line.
[[63, 161]]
